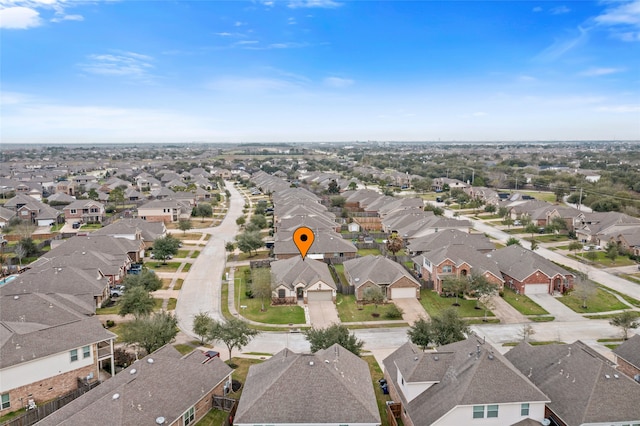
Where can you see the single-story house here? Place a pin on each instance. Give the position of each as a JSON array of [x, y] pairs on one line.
[[378, 271], [293, 279]]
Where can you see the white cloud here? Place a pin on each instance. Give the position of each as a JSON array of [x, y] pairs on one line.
[[620, 109], [561, 47], [19, 18], [325, 4], [595, 72], [239, 24], [479, 114], [623, 20], [291, 21], [536, 9], [126, 64], [337, 82], [251, 84], [560, 10], [68, 18], [526, 78]]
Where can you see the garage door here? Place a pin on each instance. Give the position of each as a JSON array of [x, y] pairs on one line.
[[536, 289], [316, 296], [403, 293]]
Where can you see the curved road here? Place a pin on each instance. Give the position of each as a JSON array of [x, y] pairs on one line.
[[201, 290]]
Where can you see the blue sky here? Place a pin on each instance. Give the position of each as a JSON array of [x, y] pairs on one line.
[[318, 70]]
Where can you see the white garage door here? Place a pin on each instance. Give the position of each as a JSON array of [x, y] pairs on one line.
[[536, 289], [316, 296], [403, 293]]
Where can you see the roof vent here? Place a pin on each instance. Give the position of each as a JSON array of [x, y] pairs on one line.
[[160, 420], [607, 376], [133, 371], [616, 376], [435, 358], [16, 297], [310, 362], [150, 361], [115, 396], [326, 361]]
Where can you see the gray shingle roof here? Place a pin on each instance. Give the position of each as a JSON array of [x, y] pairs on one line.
[[630, 350], [331, 386], [467, 373], [149, 230], [167, 388], [376, 269], [292, 271], [519, 263], [582, 387], [324, 242], [449, 237]]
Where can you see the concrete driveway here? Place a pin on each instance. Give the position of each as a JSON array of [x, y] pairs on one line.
[[556, 308], [506, 313], [412, 310], [322, 314]]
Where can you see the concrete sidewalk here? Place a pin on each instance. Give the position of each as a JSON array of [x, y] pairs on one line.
[[556, 308]]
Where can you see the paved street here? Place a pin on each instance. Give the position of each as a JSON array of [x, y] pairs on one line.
[[201, 290]]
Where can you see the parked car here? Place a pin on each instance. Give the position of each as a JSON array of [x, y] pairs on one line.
[[117, 291]]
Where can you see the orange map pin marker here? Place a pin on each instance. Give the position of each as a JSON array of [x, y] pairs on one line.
[[303, 238]]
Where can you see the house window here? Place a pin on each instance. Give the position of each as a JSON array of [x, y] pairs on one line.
[[6, 402], [478, 411], [492, 411], [447, 269], [190, 416], [86, 351], [74, 355], [281, 293], [73, 211], [524, 409]]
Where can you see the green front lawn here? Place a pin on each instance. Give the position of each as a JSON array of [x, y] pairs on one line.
[[178, 284], [187, 236], [186, 267], [549, 238], [350, 311], [160, 267], [171, 306], [522, 303], [434, 304], [289, 314], [601, 302], [602, 260]]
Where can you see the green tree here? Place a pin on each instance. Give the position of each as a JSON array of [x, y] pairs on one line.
[[338, 201], [323, 338], [508, 222], [29, 246], [333, 188], [574, 246], [374, 295], [184, 225], [531, 228], [421, 333], [230, 246], [234, 333], [147, 279], [353, 186], [261, 284], [479, 286], [117, 195], [136, 301], [438, 211], [93, 194], [452, 285], [534, 244], [165, 246], [151, 332], [202, 323], [503, 211], [241, 220], [513, 241], [249, 241], [259, 221], [448, 327], [202, 210], [625, 321], [584, 289], [592, 255], [612, 252]]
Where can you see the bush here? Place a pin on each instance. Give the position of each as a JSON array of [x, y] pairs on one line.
[[393, 312], [110, 323]]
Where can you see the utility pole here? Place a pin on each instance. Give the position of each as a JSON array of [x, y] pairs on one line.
[[580, 200], [516, 182]]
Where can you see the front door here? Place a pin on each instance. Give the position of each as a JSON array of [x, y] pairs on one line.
[[300, 292]]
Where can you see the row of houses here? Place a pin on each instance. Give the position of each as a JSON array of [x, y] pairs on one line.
[[50, 339]]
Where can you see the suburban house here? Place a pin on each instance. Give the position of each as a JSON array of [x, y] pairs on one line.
[[86, 211], [451, 237], [313, 221], [5, 216], [628, 357], [327, 245], [416, 223], [165, 210], [33, 211], [383, 273], [457, 261], [134, 229], [296, 279], [529, 273], [583, 388], [445, 184], [278, 392], [591, 226], [47, 349], [463, 383], [163, 388], [628, 239]]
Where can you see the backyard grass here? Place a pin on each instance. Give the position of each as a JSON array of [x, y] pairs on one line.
[[434, 304], [366, 252], [113, 309], [350, 311], [522, 303], [340, 271], [178, 284], [601, 302], [171, 306], [381, 398]]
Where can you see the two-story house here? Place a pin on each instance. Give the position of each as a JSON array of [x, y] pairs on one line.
[[85, 211]]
